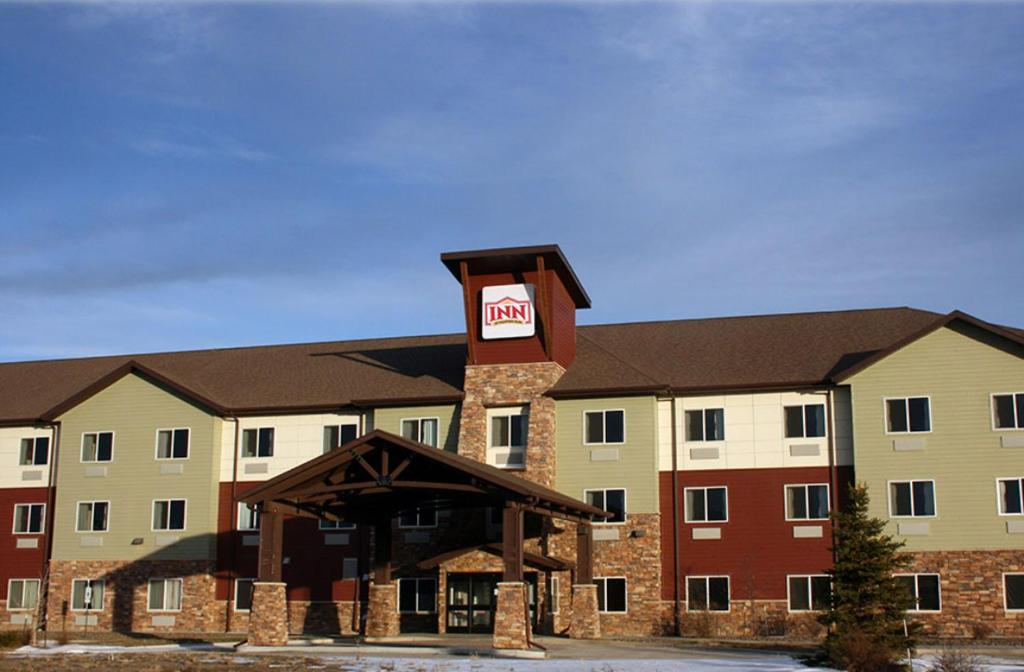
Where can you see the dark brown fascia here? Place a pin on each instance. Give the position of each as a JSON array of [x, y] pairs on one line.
[[943, 321], [35, 422], [590, 393], [409, 401], [669, 391]]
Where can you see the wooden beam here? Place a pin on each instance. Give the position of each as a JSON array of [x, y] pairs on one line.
[[271, 542], [366, 465], [400, 468], [382, 550], [470, 307], [584, 553], [512, 542]]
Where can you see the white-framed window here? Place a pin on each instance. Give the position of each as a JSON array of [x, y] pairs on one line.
[[164, 595], [93, 517], [911, 499], [22, 594], [554, 597], [423, 430], [806, 421], [258, 442], [908, 414], [612, 500], [168, 514], [611, 594], [97, 446], [325, 524], [1010, 495], [87, 594], [417, 596], [172, 444], [248, 517], [807, 501], [243, 594], [34, 451], [418, 518], [1013, 591], [604, 427], [1008, 410], [507, 430], [923, 589], [339, 435], [707, 424], [29, 518], [707, 593], [809, 592], [706, 505]]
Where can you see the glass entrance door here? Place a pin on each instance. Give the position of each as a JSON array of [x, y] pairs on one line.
[[471, 602]]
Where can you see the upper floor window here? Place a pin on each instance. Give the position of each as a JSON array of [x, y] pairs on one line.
[[339, 435], [604, 426], [28, 518], [417, 596], [705, 425], [1011, 496], [97, 446], [248, 517], [423, 430], [34, 452], [93, 517], [1008, 411], [706, 505], [807, 502], [611, 594], [506, 437], [258, 442], [908, 414], [806, 421], [426, 517], [169, 514], [87, 594], [923, 590], [165, 594], [612, 500], [912, 498], [172, 444], [707, 593], [809, 593], [22, 594], [325, 524]]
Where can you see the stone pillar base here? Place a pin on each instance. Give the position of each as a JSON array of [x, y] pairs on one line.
[[382, 610], [586, 621], [511, 620], [268, 620]]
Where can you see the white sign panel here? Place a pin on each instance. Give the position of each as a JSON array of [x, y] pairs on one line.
[[507, 312]]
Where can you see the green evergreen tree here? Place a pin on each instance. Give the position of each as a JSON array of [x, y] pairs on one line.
[[867, 610]]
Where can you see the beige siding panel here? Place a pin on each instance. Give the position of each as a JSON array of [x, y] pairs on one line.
[[134, 410], [14, 475], [637, 467], [959, 367], [390, 420]]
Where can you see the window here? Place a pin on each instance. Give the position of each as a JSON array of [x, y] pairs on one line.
[[172, 444], [604, 426], [1013, 592], [423, 430], [1011, 501], [707, 593], [87, 594], [706, 505], [923, 590], [809, 593], [1008, 411], [34, 452], [705, 425], [97, 446], [912, 414], [612, 500], [611, 594], [93, 516], [22, 594], [248, 517], [258, 442], [554, 598], [417, 596], [325, 524], [807, 502], [807, 421], [506, 437], [418, 518], [243, 594], [28, 518], [165, 594], [912, 498], [169, 514], [339, 435]]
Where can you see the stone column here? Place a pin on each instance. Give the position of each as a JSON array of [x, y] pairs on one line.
[[382, 611], [586, 620], [268, 622], [511, 621]]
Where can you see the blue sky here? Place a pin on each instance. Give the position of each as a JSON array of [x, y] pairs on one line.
[[175, 177]]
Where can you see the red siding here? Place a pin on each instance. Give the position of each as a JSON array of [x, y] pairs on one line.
[[757, 549], [20, 563]]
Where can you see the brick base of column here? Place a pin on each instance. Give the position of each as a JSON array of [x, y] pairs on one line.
[[382, 610], [511, 620], [268, 620], [586, 621]]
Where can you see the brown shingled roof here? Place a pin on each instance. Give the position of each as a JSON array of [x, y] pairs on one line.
[[683, 355]]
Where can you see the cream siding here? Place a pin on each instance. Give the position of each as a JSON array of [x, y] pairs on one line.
[[390, 420], [14, 475]]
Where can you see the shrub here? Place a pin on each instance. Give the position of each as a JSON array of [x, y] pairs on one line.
[[12, 639], [980, 630], [955, 660], [858, 651]]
